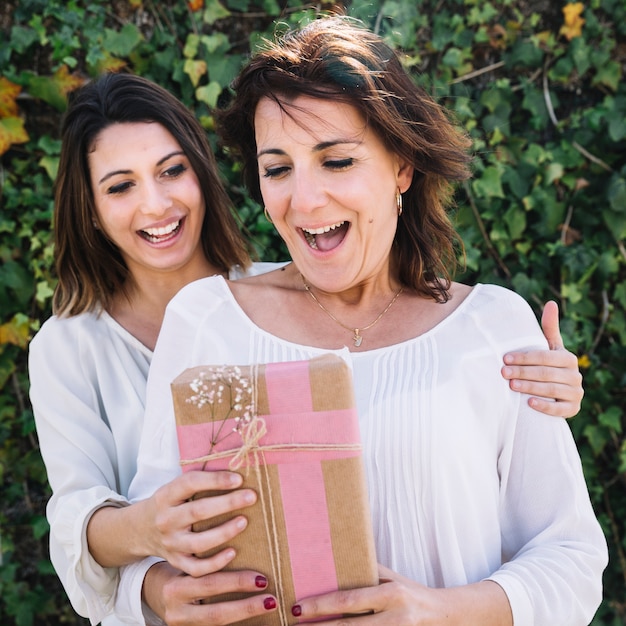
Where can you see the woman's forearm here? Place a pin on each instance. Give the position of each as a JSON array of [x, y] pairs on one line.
[[117, 536]]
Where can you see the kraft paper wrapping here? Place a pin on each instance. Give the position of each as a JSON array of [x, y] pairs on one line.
[[291, 430]]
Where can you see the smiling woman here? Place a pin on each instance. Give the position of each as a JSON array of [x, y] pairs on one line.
[[329, 184], [140, 212], [150, 205]]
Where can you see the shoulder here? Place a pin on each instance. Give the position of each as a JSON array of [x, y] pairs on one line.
[[197, 293], [62, 331], [502, 316], [196, 302], [500, 298], [65, 340]]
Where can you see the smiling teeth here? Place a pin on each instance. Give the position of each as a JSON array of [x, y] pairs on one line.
[[162, 230], [322, 229]]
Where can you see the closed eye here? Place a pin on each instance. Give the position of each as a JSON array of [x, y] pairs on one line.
[[119, 188], [339, 164], [275, 172]]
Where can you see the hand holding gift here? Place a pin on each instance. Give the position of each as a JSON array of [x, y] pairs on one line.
[[174, 513], [291, 429]]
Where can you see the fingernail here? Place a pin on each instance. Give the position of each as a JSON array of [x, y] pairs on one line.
[[269, 603], [296, 610], [241, 522], [508, 358], [507, 371], [260, 582]]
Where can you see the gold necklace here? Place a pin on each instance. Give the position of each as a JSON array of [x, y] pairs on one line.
[[356, 332]]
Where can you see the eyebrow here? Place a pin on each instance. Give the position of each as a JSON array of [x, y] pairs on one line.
[[159, 162], [324, 145]]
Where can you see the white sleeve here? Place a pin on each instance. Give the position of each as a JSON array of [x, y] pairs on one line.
[[129, 606], [555, 577], [553, 547], [77, 448]]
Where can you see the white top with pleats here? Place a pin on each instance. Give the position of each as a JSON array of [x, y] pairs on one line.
[[466, 481]]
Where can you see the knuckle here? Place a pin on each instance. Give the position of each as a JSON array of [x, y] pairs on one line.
[[344, 599], [213, 614], [210, 585], [251, 607]]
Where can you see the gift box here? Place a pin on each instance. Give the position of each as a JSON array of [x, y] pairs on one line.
[[291, 430]]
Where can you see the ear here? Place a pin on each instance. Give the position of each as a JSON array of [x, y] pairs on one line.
[[404, 175]]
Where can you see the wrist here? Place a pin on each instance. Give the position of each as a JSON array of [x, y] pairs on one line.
[[152, 590]]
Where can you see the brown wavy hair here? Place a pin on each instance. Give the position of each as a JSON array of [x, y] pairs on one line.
[[336, 58], [89, 266]]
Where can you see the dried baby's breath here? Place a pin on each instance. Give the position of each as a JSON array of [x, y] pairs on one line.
[[220, 387]]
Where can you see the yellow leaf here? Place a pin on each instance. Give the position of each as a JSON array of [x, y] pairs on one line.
[[16, 331], [584, 361], [8, 93], [195, 70], [11, 131], [573, 26], [67, 82]]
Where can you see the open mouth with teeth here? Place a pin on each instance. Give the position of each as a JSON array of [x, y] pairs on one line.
[[326, 238], [161, 234]]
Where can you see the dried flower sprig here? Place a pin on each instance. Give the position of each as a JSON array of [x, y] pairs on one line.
[[226, 393]]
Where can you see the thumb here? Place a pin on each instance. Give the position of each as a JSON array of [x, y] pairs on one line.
[[550, 325]]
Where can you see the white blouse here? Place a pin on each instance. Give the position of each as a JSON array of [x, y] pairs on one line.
[[466, 481], [87, 388]]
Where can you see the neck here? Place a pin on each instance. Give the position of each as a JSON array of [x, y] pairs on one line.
[[141, 309], [357, 336]]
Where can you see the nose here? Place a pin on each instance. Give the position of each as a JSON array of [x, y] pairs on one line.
[[155, 199], [307, 191]]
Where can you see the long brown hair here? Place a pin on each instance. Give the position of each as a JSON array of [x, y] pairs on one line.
[[90, 267], [334, 58]]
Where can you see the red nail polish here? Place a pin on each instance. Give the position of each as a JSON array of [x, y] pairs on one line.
[[269, 604], [260, 582], [296, 610]]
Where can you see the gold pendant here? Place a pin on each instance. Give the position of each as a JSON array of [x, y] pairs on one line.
[[358, 340]]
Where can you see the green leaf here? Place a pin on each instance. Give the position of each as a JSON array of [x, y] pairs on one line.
[[22, 38], [554, 172], [209, 93], [489, 185], [40, 527], [48, 89], [581, 53], [518, 184], [535, 103], [597, 438], [612, 418], [214, 11], [609, 74], [122, 43], [44, 292], [51, 165], [217, 42], [616, 223], [192, 44], [515, 220]]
